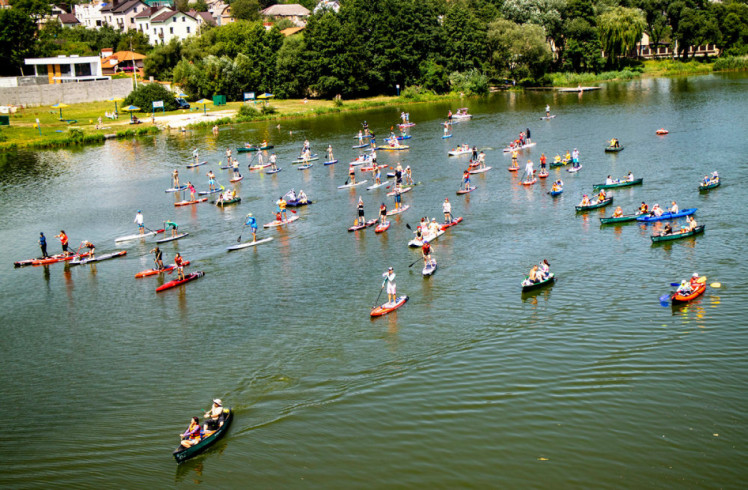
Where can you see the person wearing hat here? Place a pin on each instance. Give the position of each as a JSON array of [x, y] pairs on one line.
[[433, 228], [252, 223], [139, 221], [281, 203], [695, 280], [585, 201], [213, 417], [389, 280], [43, 244], [426, 253], [447, 210]]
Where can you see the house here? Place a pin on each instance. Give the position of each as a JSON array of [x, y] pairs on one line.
[[649, 50], [121, 14], [63, 69], [172, 24], [222, 14], [123, 61], [203, 18], [292, 11], [143, 20], [89, 14], [4, 4], [68, 20]]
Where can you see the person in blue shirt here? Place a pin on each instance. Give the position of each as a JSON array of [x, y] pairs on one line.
[[43, 244], [252, 223]]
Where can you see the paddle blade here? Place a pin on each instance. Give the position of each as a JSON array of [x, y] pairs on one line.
[[665, 298], [408, 226], [293, 211], [675, 284], [239, 239], [716, 285]]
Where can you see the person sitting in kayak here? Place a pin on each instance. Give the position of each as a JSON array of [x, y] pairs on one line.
[[695, 280], [447, 210], [644, 208], [466, 180], [544, 270], [382, 214], [389, 280], [585, 201], [433, 227], [64, 242], [360, 208], [609, 180], [674, 208], [302, 198], [174, 227], [179, 262], [158, 257], [656, 211], [426, 253], [214, 417], [281, 203], [557, 186], [193, 434], [691, 223], [533, 277], [252, 223], [629, 177], [715, 177], [175, 179], [90, 246], [668, 229], [614, 143], [601, 196], [618, 212], [685, 288]]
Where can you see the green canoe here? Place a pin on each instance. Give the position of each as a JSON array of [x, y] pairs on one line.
[[675, 236], [549, 280], [182, 454], [620, 219], [559, 164], [245, 149], [612, 149], [706, 187], [618, 184], [235, 200], [600, 204]]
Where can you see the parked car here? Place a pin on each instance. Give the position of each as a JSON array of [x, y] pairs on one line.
[[182, 103]]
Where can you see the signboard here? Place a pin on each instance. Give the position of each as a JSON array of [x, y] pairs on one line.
[[249, 96], [158, 104]]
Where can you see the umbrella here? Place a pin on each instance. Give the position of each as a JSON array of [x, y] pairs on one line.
[[204, 102], [181, 94], [130, 109], [265, 96], [60, 105], [115, 100]]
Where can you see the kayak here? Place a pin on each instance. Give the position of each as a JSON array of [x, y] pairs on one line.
[[403, 189], [172, 238], [193, 165], [245, 149], [331, 162], [137, 235], [235, 200], [346, 186], [555, 193], [455, 221], [509, 149], [610, 149], [684, 298], [480, 170], [388, 307], [281, 222], [706, 187], [57, 258], [236, 179], [429, 238], [662, 131], [618, 184], [543, 175], [546, 118], [430, 268], [619, 219], [269, 172], [374, 186], [529, 182], [176, 189], [207, 193], [196, 201], [675, 236], [298, 204], [260, 167], [559, 164], [402, 209], [153, 272], [179, 282], [249, 244], [686, 212], [382, 227], [304, 167], [182, 453], [595, 205], [369, 223], [465, 191], [455, 153], [528, 286], [98, 258]]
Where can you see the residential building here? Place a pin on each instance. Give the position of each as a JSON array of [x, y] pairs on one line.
[[292, 11], [203, 18], [89, 14], [143, 20], [222, 14], [121, 14], [63, 69], [68, 20], [172, 24], [649, 50]]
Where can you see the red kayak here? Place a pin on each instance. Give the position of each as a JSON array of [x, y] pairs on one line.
[[444, 226], [382, 227], [529, 182], [543, 175], [153, 272], [387, 307], [58, 258], [187, 203], [178, 282]]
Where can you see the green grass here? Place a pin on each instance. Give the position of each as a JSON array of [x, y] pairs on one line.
[[731, 63], [658, 68]]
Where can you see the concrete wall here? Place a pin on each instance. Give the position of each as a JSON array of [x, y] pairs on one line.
[[69, 93]]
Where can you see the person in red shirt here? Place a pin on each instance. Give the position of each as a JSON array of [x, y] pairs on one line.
[[426, 252], [180, 266], [695, 280], [64, 241]]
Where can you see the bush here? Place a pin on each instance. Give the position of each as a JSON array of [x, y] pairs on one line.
[[144, 95], [337, 102], [266, 110], [470, 83], [247, 113], [731, 63]]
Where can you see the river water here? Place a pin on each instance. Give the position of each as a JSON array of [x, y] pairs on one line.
[[588, 383]]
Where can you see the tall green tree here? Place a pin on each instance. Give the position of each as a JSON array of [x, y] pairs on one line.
[[465, 37], [161, 61], [36, 9], [620, 28], [245, 9], [17, 30], [518, 51]]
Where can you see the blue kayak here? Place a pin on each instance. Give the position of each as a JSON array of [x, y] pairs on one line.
[[555, 193], [679, 214]]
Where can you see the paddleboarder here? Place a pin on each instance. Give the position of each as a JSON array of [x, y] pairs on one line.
[[408, 176], [64, 242], [542, 163], [528, 171], [179, 262], [382, 214], [399, 175], [90, 246], [281, 203], [195, 154], [175, 178], [235, 168], [398, 196], [474, 155], [466, 180], [447, 210], [373, 155], [360, 206], [352, 174], [273, 159], [329, 153], [389, 280], [547, 110], [211, 180], [252, 223], [527, 134], [426, 253], [43, 244], [514, 159], [139, 221], [158, 257], [173, 226], [191, 188]]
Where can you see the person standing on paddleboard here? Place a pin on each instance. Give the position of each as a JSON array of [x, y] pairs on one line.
[[191, 188], [547, 110], [235, 168], [179, 262], [158, 257], [528, 171], [398, 197], [211, 180], [43, 244], [64, 242], [447, 210], [252, 223], [361, 217], [399, 175], [195, 154], [542, 162], [377, 175], [382, 214], [466, 180], [408, 176], [273, 159], [173, 226], [281, 203], [329, 153], [175, 179], [426, 253], [527, 134], [139, 221], [352, 174], [389, 280]]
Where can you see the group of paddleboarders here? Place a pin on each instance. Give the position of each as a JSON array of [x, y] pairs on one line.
[[522, 140]]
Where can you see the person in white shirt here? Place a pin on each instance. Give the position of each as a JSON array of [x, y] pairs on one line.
[[674, 208], [447, 210], [139, 221], [528, 171], [389, 280]]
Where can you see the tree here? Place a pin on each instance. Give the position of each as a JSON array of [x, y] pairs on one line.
[[182, 5], [518, 50], [161, 61], [245, 9], [290, 75], [695, 27], [620, 28], [656, 18], [146, 94], [34, 8], [466, 38], [16, 31], [200, 6], [133, 40]]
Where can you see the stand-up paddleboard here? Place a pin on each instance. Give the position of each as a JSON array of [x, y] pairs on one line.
[[304, 167], [372, 187], [260, 167], [363, 136], [402, 209], [193, 165], [529, 182], [58, 258], [98, 258], [186, 203], [543, 175], [281, 222], [373, 167], [465, 191], [179, 282], [347, 186], [388, 307], [546, 118], [403, 189], [138, 235], [382, 227], [331, 162], [509, 149], [172, 238], [249, 244], [369, 223], [303, 160], [226, 167], [446, 136], [273, 171], [153, 272], [455, 221], [430, 268], [176, 189], [430, 238], [574, 170], [513, 169], [236, 179], [360, 146], [480, 170], [207, 193]]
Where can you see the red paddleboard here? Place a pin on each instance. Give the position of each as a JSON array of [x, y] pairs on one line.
[[444, 226], [58, 258], [513, 169], [369, 223], [387, 308], [543, 175], [530, 182], [236, 179], [178, 282], [186, 203], [382, 227], [153, 272]]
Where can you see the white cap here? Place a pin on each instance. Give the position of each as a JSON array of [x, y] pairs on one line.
[[217, 401]]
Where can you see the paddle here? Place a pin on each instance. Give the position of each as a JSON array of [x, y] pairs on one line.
[[411, 265], [379, 295], [240, 232]]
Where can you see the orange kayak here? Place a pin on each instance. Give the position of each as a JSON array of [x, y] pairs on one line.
[[679, 298]]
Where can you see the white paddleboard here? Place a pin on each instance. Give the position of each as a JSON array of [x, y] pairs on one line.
[[346, 186], [249, 244], [386, 182]]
